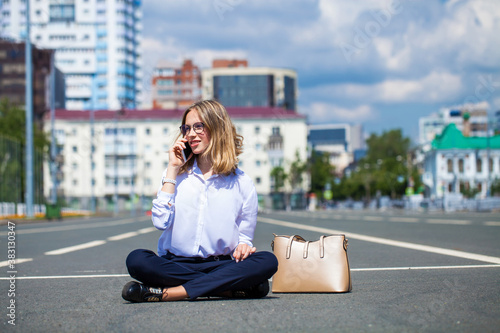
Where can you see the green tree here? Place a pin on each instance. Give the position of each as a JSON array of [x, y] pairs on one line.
[[322, 172], [296, 173], [385, 165], [12, 148], [278, 176]]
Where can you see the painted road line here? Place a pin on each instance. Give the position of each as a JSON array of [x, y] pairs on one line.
[[373, 218], [16, 261], [100, 242], [53, 277], [78, 226], [492, 223], [443, 221], [404, 219], [385, 241], [376, 269], [131, 234], [76, 247], [421, 267], [123, 236], [146, 230]]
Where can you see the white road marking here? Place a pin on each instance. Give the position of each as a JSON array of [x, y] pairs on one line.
[[404, 219], [146, 230], [442, 221], [76, 247], [374, 269], [420, 268], [78, 226], [123, 236], [100, 242], [373, 218], [492, 223], [65, 277], [16, 261], [385, 241]]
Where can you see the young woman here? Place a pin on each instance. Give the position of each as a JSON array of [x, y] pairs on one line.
[[207, 209]]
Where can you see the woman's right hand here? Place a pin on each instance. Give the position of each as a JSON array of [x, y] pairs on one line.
[[175, 153]]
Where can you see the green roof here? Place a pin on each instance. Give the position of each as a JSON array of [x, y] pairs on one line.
[[452, 138]]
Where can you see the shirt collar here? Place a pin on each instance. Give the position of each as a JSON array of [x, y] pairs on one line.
[[197, 171]]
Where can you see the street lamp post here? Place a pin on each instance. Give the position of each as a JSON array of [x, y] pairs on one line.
[[29, 117]]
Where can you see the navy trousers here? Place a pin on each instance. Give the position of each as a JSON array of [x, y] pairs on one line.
[[201, 277]]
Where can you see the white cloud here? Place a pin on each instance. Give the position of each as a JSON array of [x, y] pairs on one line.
[[435, 87], [330, 112]]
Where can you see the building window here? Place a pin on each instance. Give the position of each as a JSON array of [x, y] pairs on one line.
[[461, 165], [490, 165], [450, 165], [257, 180], [148, 131], [257, 129], [257, 163], [62, 13], [479, 165], [75, 149], [147, 165]]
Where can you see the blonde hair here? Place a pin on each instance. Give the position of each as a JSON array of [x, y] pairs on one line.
[[225, 144]]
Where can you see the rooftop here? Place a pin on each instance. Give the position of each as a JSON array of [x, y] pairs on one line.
[[452, 138], [124, 115]]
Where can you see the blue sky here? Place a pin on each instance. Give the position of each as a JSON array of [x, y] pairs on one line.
[[383, 64]]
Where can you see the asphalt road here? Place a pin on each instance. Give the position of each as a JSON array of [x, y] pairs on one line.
[[413, 272]]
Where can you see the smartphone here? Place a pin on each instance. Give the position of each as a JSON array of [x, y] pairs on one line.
[[186, 152]]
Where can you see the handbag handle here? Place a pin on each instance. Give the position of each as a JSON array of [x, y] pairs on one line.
[[289, 245]]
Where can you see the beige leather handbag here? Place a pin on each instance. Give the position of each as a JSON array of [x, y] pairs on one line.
[[308, 267]]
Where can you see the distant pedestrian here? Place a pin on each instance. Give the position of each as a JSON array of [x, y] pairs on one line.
[[207, 209]]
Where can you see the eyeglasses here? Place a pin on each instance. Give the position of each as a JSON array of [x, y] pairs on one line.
[[197, 127]]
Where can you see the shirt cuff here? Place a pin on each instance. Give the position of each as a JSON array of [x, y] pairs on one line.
[[166, 197]]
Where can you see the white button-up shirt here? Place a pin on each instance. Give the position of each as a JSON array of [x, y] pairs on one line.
[[206, 217]]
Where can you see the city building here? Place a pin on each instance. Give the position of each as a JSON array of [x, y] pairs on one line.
[[239, 85], [457, 163], [175, 86], [97, 46], [13, 77], [476, 120], [343, 142], [129, 151]]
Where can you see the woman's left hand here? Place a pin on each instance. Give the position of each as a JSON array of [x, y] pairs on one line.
[[242, 252]]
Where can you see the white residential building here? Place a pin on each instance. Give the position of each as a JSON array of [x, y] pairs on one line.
[[97, 45], [456, 163], [131, 147]]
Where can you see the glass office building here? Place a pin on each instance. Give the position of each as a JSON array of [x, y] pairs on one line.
[[251, 87]]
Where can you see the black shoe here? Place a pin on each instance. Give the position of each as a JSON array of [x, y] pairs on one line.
[[137, 292], [258, 291]]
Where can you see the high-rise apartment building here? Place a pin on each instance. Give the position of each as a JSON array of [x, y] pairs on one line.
[[96, 43], [475, 119], [175, 86], [238, 85], [13, 77]]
